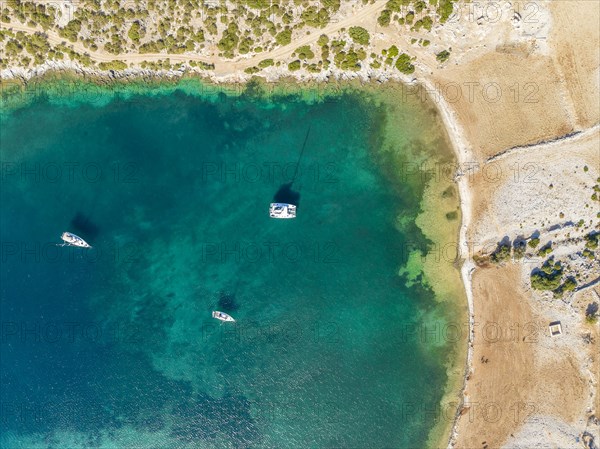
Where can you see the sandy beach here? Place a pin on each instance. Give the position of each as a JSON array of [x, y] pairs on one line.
[[519, 99]]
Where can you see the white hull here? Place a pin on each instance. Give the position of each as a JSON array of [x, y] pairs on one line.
[[222, 316], [71, 239]]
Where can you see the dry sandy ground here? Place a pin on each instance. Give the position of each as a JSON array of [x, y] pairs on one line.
[[525, 386], [529, 81]]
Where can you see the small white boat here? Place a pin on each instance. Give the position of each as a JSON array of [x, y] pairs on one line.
[[71, 239], [222, 316], [282, 210]]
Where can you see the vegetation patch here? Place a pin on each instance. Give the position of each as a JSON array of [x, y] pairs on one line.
[[404, 65], [359, 35]]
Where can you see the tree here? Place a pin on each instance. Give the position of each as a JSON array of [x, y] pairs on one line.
[[404, 65], [135, 32], [294, 65], [384, 18], [284, 38], [359, 35], [71, 30], [442, 56]]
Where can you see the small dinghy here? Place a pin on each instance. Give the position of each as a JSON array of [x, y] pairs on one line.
[[282, 210], [71, 239], [222, 316]]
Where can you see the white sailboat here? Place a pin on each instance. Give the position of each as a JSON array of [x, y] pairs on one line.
[[222, 316], [71, 239]]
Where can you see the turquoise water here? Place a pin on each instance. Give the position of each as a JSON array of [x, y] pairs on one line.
[[116, 347]]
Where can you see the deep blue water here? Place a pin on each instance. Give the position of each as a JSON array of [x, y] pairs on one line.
[[116, 347]]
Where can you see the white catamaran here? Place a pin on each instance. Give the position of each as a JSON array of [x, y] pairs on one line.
[[282, 210], [71, 239], [222, 316]]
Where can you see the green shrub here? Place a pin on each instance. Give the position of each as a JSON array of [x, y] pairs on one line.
[[445, 8], [589, 254], [359, 35], [384, 18], [135, 32], [452, 215], [350, 60], [317, 18], [534, 242], [284, 38], [305, 52], [71, 30], [404, 65], [519, 251], [569, 284], [442, 56], [591, 240], [323, 40], [501, 254], [230, 38], [545, 250], [265, 63], [112, 65], [548, 278], [294, 65]]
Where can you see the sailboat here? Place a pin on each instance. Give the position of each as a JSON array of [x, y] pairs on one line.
[[71, 239], [222, 316]]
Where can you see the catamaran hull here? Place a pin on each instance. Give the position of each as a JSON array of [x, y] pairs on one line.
[[282, 210]]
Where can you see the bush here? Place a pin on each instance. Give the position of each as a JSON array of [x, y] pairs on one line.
[[442, 56], [305, 52], [284, 38], [251, 70], [548, 277], [359, 35], [294, 65], [534, 242], [350, 60], [71, 30], [230, 38], [135, 32], [569, 284], [519, 250], [265, 63], [315, 18], [501, 254], [589, 254], [385, 18], [445, 9], [591, 240], [112, 65], [404, 65], [323, 40], [545, 250]]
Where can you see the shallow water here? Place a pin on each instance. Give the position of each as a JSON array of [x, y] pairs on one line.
[[116, 347]]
